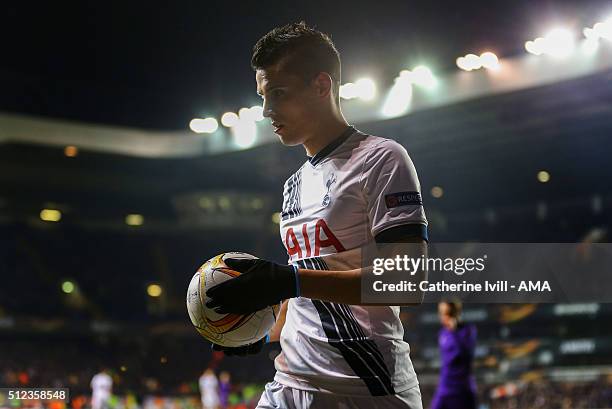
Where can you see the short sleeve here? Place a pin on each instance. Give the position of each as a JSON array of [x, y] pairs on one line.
[[391, 188]]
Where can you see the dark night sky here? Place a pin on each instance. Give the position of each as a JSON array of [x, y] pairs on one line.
[[158, 64]]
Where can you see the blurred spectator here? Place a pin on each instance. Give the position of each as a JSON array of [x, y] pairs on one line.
[[101, 386], [209, 390]]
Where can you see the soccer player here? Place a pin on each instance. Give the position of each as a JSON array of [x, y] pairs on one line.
[[457, 386], [209, 389], [353, 189], [102, 387]]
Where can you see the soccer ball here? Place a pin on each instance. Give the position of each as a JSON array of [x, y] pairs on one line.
[[228, 330]]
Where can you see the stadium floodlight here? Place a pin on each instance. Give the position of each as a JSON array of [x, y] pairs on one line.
[[71, 151], [50, 215], [348, 91], [366, 89], [559, 42], [257, 113], [531, 48], [489, 61], [245, 133], [229, 119], [423, 77], [604, 29], [437, 192], [590, 33], [399, 97], [154, 290], [68, 287], [207, 125], [543, 176], [473, 62], [590, 45], [461, 63], [134, 219]]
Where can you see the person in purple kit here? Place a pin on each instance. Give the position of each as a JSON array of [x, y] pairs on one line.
[[457, 386], [224, 388]]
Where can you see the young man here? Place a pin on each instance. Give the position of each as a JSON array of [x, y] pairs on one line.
[[352, 190], [457, 386], [209, 389], [102, 388]]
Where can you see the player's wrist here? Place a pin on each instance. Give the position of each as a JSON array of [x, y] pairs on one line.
[[290, 278]]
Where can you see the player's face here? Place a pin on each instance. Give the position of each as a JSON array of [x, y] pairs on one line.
[[444, 313], [289, 102]]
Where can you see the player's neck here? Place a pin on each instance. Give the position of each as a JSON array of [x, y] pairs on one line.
[[324, 134]]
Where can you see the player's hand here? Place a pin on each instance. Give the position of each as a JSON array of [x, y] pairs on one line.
[[261, 284], [251, 349]]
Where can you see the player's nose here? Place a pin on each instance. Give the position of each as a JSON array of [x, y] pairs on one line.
[[267, 110]]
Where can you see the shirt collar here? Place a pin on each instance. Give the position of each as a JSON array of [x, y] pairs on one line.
[[323, 153]]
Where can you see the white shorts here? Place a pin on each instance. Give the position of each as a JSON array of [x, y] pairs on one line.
[[277, 396]]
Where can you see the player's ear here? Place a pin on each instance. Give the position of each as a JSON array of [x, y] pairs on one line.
[[323, 84]]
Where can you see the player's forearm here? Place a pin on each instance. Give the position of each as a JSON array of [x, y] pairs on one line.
[[336, 286], [280, 323], [345, 286]]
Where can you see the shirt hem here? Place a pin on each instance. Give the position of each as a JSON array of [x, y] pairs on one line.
[[348, 389]]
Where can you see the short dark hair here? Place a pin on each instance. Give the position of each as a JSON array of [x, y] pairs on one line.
[[455, 307], [305, 51]]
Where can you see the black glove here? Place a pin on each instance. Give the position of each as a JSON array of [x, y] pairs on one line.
[[250, 349], [260, 284]]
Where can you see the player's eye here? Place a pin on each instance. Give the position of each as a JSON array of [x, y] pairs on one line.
[[277, 93]]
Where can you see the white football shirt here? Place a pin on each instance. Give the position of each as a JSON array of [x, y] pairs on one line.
[[337, 202], [209, 390], [102, 385]]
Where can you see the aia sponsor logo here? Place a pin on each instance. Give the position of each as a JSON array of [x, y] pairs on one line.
[[302, 245]]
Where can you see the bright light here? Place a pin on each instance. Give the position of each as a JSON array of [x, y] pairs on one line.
[[462, 63], [134, 220], [531, 48], [348, 91], [604, 30], [276, 218], [257, 113], [543, 176], [437, 192], [71, 151], [473, 62], [590, 45], [245, 133], [154, 290], [229, 119], [68, 287], [399, 98], [208, 125], [590, 33], [246, 114], [423, 77], [366, 89], [559, 42], [50, 215], [489, 60]]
